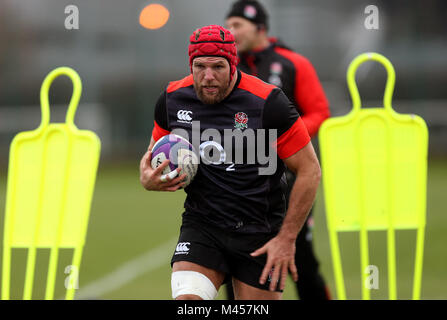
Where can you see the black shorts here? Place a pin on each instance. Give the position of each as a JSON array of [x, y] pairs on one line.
[[224, 251]]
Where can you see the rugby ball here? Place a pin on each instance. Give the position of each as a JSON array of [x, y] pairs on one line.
[[180, 153]]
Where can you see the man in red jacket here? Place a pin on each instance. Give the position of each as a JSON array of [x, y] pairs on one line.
[[274, 63]]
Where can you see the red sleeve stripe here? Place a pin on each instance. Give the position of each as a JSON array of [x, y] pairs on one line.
[[175, 85], [158, 132], [255, 86], [292, 140]]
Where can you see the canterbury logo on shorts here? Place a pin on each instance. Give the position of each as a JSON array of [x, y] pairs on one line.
[[182, 248]]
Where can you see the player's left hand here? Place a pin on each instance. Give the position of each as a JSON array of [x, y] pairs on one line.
[[154, 179], [281, 258]]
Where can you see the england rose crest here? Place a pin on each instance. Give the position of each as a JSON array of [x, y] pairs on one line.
[[240, 120]]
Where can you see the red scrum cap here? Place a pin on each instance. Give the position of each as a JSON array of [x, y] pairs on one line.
[[213, 40]]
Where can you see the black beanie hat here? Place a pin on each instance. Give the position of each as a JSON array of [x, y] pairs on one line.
[[251, 10]]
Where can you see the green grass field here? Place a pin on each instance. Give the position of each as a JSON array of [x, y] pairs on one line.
[[128, 222]]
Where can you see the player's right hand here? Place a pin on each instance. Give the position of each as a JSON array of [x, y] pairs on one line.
[[154, 179]]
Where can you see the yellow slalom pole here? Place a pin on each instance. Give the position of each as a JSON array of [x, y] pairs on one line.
[[74, 278], [338, 269], [392, 285], [31, 260], [364, 249], [391, 233], [51, 277], [418, 263], [29, 278], [333, 242]]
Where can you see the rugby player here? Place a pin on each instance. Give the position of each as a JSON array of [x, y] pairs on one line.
[[235, 225]]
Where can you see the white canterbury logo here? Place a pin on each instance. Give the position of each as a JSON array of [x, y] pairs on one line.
[[182, 248], [184, 116]]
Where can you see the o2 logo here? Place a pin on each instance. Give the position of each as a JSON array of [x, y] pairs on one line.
[[219, 155]]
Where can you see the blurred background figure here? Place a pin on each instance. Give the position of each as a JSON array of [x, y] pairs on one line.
[[124, 65], [270, 60]]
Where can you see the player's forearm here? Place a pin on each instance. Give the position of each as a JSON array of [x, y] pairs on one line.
[[302, 197]]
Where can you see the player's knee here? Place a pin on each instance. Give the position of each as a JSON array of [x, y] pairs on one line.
[[190, 285]]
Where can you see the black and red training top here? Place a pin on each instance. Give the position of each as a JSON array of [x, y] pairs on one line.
[[295, 75], [227, 192]]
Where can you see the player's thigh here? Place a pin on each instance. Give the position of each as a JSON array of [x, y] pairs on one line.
[[243, 291], [216, 277]]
